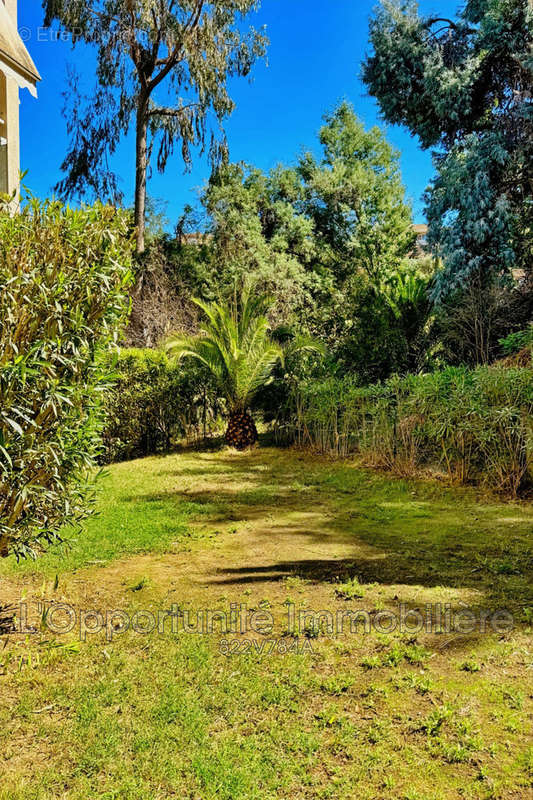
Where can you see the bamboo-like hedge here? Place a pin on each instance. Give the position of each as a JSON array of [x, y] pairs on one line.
[[477, 424]]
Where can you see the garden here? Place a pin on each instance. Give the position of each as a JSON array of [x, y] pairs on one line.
[[266, 476]]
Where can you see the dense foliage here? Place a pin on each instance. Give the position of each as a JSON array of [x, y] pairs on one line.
[[154, 402], [64, 276], [309, 231], [477, 424], [515, 342], [465, 87], [330, 238]]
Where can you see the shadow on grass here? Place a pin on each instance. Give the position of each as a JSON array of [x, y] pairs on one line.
[[400, 532]]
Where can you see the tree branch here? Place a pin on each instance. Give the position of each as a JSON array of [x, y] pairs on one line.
[[173, 58], [171, 112], [449, 24]]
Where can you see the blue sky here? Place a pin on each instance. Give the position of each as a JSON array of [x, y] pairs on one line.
[[314, 61]]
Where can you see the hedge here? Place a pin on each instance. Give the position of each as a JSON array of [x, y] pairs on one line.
[[476, 424], [154, 402], [64, 278]]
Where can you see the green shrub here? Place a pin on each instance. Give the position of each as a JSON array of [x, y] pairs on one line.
[[155, 401], [478, 424], [64, 276], [516, 342]]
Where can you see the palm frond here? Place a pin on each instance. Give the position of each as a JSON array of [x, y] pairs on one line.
[[234, 343], [305, 344], [262, 370]]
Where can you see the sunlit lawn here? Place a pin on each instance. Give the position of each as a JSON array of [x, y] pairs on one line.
[[414, 716]]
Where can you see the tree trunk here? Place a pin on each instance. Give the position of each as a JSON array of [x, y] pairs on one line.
[[141, 166], [4, 547], [241, 432]]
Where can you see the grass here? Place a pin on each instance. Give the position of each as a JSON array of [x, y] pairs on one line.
[[423, 716], [130, 519]]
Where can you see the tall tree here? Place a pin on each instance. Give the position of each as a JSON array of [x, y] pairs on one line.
[[162, 64], [362, 222], [304, 232], [355, 197], [254, 230], [464, 86]]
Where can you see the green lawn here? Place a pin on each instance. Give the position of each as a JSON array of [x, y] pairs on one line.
[[430, 715]]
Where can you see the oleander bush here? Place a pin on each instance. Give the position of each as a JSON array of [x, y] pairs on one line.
[[153, 402], [64, 278], [476, 424]]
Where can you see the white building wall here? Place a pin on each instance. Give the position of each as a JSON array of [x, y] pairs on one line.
[[9, 128]]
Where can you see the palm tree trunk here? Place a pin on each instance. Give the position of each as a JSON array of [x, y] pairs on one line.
[[241, 432]]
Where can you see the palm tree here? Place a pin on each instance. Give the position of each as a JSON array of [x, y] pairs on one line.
[[235, 345]]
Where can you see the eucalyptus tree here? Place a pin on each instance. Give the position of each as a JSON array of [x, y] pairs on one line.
[[162, 65]]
